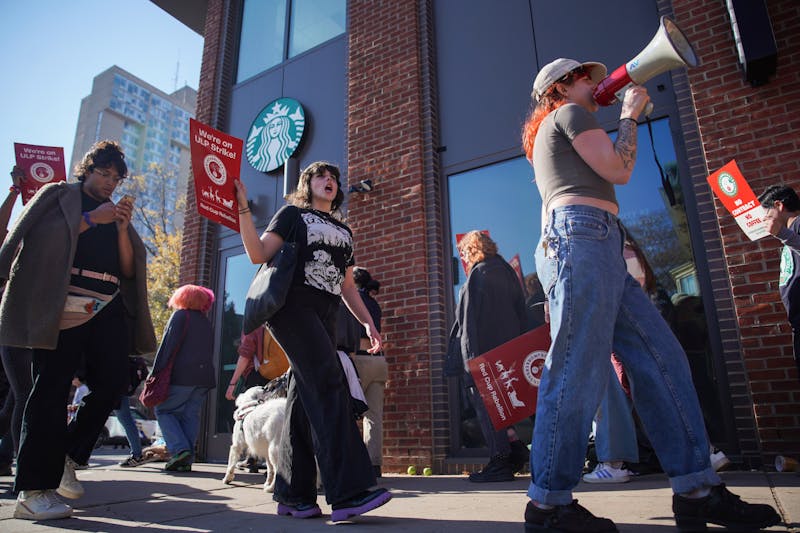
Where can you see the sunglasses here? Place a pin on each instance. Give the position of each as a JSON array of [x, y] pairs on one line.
[[574, 75]]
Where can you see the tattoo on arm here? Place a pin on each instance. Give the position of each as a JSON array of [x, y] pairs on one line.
[[625, 144]]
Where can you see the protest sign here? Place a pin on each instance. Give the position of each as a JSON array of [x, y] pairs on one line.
[[41, 165], [735, 193], [507, 377], [216, 162]]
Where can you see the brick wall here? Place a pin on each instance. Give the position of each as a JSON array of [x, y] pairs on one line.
[[758, 126], [390, 141], [198, 255]]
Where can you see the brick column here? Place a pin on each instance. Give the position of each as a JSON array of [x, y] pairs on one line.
[[391, 139], [198, 249], [758, 127]]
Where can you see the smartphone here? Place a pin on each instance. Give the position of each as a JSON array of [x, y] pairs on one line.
[[129, 198]]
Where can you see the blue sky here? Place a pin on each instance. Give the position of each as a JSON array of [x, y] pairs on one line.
[[52, 50]]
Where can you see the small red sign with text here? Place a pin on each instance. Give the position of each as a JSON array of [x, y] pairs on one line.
[[216, 163], [507, 377], [41, 165]]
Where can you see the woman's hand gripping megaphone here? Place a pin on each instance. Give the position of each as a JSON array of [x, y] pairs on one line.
[[635, 101]]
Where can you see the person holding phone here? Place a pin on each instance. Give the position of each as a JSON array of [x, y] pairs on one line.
[[70, 261]]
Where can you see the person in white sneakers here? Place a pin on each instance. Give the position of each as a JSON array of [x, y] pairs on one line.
[[76, 272]]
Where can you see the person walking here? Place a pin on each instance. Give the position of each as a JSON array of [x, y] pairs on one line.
[[491, 311], [188, 341], [597, 308], [319, 413], [76, 291]]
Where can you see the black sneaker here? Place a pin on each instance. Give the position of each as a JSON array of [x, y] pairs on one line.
[[566, 519], [358, 505], [723, 508], [498, 469], [520, 454]]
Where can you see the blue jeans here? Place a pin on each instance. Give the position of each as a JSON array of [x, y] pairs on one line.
[[615, 430], [131, 431], [597, 308], [179, 417]]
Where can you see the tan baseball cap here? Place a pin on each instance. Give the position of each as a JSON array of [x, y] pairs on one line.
[[555, 70]]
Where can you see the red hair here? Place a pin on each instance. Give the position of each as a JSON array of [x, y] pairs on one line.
[[549, 102], [192, 297]]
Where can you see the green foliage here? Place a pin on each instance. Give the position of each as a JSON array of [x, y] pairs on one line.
[[155, 220]]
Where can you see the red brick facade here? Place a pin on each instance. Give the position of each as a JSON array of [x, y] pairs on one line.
[[760, 128]]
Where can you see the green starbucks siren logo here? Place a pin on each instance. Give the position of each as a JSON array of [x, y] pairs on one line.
[[728, 184], [275, 134], [787, 266]]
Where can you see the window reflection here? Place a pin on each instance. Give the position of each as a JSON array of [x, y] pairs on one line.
[[262, 36], [239, 271], [313, 22]]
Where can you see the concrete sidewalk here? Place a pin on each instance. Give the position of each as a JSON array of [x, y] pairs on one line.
[[147, 499]]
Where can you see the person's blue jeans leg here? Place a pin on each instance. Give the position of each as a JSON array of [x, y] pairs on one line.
[[662, 391], [179, 417], [596, 307], [169, 415], [581, 274], [615, 429], [125, 418]]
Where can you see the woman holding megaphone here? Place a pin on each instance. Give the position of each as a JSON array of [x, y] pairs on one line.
[[597, 308]]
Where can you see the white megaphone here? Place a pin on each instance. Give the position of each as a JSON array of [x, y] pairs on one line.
[[668, 49]]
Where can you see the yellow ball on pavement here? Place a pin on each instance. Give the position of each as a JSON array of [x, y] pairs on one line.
[[412, 470], [428, 471]]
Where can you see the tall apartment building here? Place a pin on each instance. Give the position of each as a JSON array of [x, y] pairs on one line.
[[152, 126]]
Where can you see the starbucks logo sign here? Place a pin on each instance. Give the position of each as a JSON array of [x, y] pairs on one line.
[[42, 172], [727, 184], [275, 134]]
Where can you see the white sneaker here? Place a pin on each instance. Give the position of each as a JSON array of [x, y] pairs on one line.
[[40, 505], [70, 487], [605, 473], [719, 461]]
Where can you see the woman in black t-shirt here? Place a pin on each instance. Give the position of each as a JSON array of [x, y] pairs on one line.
[[319, 415]]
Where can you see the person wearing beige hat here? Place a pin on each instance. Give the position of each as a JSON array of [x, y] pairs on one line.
[[597, 308]]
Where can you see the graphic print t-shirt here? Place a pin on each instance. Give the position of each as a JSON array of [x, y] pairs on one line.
[[325, 246]]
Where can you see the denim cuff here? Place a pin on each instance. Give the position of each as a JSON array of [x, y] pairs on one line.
[[695, 480], [549, 497]]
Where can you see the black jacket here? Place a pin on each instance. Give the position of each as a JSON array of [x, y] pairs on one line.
[[491, 309], [189, 336]]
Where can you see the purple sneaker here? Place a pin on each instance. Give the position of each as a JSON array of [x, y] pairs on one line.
[[360, 504], [301, 510]]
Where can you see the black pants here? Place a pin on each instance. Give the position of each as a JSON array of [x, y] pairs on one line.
[[319, 410], [102, 345], [496, 440], [17, 367], [796, 339]]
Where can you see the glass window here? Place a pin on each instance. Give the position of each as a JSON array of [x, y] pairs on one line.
[[239, 272], [315, 21], [262, 37]]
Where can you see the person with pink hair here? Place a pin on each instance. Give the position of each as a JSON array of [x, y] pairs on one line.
[[189, 340]]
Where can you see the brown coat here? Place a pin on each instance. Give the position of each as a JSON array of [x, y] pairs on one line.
[[46, 236]]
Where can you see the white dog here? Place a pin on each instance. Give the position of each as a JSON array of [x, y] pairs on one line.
[[257, 431]]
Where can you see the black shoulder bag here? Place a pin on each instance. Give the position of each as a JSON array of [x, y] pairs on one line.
[[268, 290]]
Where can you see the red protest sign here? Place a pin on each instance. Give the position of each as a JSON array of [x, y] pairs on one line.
[[216, 161], [516, 264], [507, 377], [41, 165], [735, 193]]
